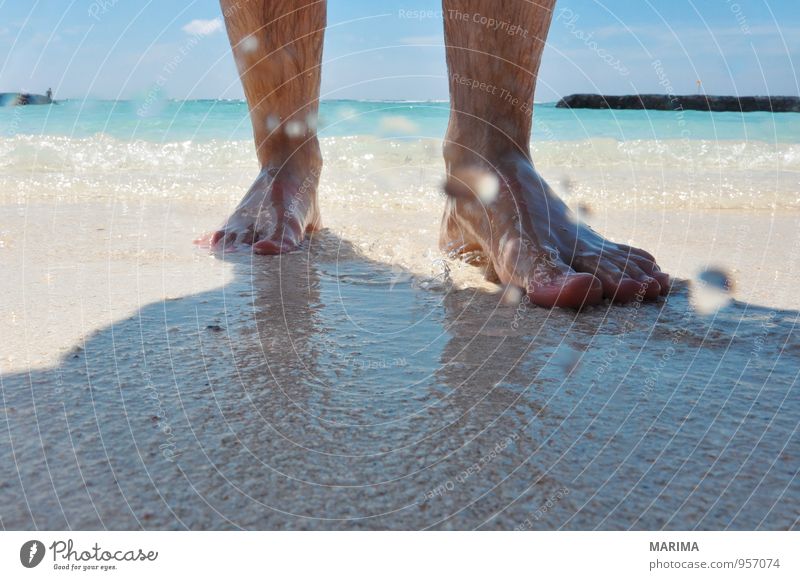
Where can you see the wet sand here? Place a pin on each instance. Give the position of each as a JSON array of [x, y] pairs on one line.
[[365, 383]]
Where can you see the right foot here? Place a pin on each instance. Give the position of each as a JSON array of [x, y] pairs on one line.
[[278, 210]]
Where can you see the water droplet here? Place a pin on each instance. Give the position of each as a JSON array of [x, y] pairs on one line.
[[566, 359], [711, 291], [295, 128], [487, 186], [473, 181], [249, 44], [311, 122], [345, 113], [511, 295], [584, 211], [716, 278]]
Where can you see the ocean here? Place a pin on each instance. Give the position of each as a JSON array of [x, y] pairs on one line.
[[206, 120], [678, 159]]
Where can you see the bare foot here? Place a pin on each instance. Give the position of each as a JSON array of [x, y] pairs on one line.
[[529, 238], [278, 210]]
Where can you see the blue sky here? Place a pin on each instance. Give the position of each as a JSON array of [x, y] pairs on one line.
[[374, 50]]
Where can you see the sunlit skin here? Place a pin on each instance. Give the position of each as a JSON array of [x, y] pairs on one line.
[[523, 232], [277, 45]]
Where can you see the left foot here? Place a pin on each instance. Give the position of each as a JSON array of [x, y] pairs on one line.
[[529, 238], [279, 209]]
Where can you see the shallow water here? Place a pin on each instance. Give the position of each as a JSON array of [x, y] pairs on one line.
[[362, 171], [325, 390], [81, 150]]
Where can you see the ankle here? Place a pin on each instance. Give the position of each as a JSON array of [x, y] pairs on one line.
[[471, 142], [481, 151], [292, 155]]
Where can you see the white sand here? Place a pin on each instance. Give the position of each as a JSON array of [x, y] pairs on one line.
[[147, 384], [73, 268]]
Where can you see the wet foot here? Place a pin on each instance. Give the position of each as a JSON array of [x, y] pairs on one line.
[[528, 238], [277, 212]]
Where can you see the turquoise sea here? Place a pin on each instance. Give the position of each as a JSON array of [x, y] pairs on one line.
[[211, 119], [191, 149]]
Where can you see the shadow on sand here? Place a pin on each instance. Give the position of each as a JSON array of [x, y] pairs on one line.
[[322, 390]]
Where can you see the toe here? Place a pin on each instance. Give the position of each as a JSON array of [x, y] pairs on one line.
[[619, 287], [548, 280], [649, 287], [638, 252], [572, 291], [248, 237], [222, 240], [622, 277], [274, 247], [267, 248], [225, 242], [286, 240], [217, 236], [650, 268], [663, 282], [623, 290]]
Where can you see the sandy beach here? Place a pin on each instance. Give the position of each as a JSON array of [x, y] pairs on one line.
[[365, 382]]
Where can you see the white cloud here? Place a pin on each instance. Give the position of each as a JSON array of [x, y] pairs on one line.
[[203, 27]]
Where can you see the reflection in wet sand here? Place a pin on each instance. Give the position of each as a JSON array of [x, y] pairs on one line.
[[323, 390]]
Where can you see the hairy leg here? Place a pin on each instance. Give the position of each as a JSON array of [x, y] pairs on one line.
[[498, 205], [277, 45]]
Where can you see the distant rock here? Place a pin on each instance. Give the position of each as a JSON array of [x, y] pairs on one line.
[[682, 102]]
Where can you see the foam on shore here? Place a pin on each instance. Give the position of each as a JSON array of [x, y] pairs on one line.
[[365, 171]]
